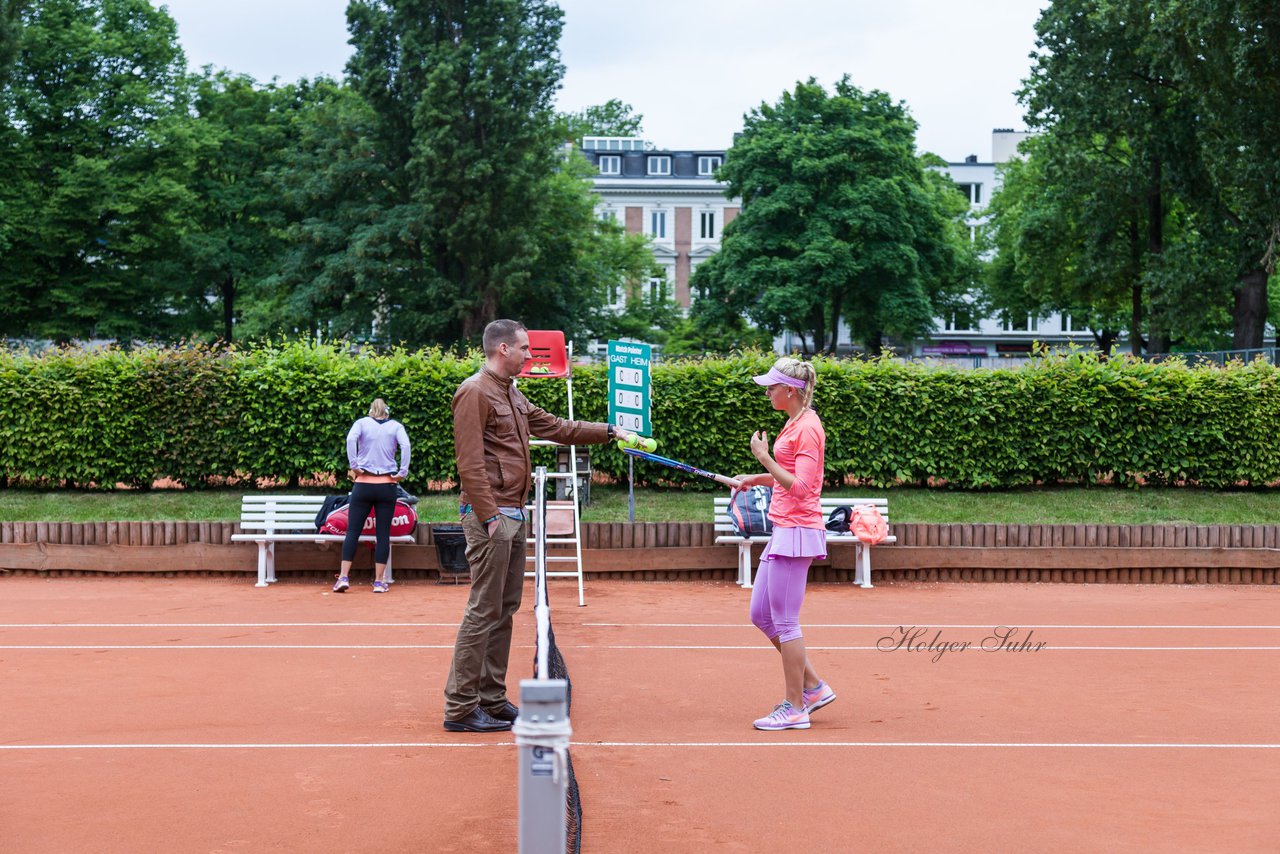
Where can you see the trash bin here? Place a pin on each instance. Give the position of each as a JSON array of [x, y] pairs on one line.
[[451, 549]]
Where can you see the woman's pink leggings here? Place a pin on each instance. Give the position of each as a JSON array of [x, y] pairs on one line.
[[777, 596]]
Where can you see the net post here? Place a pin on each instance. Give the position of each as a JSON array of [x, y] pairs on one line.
[[542, 734]]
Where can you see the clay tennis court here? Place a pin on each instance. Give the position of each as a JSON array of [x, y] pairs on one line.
[[196, 714]]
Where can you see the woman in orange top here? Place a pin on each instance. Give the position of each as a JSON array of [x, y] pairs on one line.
[[794, 471]]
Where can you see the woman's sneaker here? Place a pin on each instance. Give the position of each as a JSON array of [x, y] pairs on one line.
[[342, 585], [816, 698], [380, 587], [784, 716]]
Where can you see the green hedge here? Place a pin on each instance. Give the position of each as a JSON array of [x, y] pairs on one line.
[[280, 414]]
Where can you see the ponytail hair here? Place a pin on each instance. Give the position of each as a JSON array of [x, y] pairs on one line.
[[378, 410]]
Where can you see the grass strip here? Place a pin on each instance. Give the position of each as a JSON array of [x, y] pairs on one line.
[[1052, 506]]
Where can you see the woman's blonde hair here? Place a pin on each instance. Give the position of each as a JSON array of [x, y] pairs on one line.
[[379, 409], [799, 370]]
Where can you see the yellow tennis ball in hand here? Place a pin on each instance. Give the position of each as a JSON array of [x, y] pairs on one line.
[[639, 443]]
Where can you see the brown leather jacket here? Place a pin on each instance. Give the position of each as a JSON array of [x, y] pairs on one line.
[[492, 422]]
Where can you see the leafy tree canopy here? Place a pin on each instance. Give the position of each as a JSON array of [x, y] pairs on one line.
[[840, 221], [96, 157], [612, 118]]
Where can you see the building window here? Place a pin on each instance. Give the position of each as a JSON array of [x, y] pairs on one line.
[[1019, 323], [608, 215], [708, 165], [707, 225], [658, 224], [617, 295], [657, 288], [660, 165], [972, 192], [610, 164], [960, 320]]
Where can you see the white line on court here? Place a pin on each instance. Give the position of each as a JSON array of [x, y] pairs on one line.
[[923, 648], [742, 625], [581, 745], [221, 625], [232, 646], [748, 648], [745, 625]]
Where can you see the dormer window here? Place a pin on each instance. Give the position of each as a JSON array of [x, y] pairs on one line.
[[709, 165], [610, 164], [660, 165]]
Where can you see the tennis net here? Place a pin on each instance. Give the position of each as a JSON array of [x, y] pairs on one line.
[[556, 669], [543, 729]]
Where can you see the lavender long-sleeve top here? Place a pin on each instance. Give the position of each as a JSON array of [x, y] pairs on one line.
[[371, 446]]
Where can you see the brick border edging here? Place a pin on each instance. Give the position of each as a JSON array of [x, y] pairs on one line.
[[1126, 554]]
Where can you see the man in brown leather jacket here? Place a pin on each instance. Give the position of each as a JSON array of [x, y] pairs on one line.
[[492, 422]]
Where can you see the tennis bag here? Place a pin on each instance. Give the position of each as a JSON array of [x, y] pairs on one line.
[[403, 520], [331, 503], [749, 511], [868, 525]]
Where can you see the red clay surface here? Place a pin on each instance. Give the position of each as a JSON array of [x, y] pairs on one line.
[[195, 715]]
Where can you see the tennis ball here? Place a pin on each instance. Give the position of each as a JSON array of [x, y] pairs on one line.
[[640, 443]]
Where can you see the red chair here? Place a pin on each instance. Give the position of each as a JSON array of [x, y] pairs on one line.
[[550, 357]]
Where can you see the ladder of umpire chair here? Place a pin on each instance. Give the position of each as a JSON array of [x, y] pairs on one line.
[[552, 358]]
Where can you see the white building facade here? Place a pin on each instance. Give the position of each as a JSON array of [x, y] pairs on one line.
[[672, 196]]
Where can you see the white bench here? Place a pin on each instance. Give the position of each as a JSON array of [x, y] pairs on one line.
[[270, 519], [862, 555]]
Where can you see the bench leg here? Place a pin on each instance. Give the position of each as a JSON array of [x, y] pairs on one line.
[[744, 565], [863, 576], [387, 577], [262, 565], [271, 563]]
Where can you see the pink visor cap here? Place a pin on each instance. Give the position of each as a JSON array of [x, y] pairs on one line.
[[775, 376]]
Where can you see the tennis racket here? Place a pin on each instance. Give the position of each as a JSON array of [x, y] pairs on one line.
[[676, 464]]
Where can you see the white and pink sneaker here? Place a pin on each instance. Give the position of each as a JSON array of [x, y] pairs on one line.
[[784, 716], [817, 697]]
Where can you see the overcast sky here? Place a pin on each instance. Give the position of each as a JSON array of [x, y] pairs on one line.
[[692, 68]]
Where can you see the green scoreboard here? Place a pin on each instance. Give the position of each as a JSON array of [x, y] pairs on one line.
[[629, 388]]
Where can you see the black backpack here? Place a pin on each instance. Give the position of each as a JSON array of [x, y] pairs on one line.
[[749, 511], [840, 519]]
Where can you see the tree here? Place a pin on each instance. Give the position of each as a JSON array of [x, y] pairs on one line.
[[1098, 89], [96, 159], [1225, 56], [10, 30], [612, 118], [840, 221], [348, 232], [698, 335], [235, 237], [1067, 228], [10, 33], [463, 94], [1178, 103]]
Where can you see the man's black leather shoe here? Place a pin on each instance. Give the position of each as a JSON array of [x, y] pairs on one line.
[[509, 712], [477, 721]]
